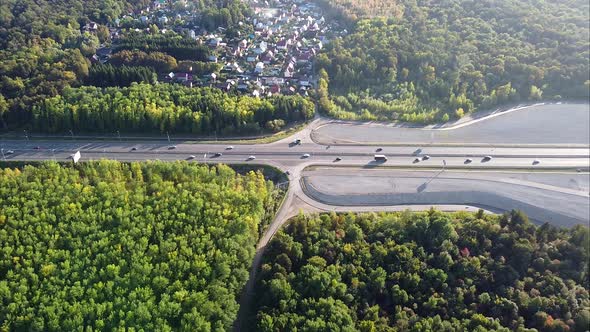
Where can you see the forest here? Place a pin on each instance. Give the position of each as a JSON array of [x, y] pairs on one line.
[[43, 68], [43, 49], [352, 10], [164, 108], [104, 246], [158, 61], [440, 60], [109, 75], [427, 271], [181, 48]]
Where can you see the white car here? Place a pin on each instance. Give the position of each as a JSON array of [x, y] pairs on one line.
[[229, 147], [251, 157], [9, 152], [191, 157], [306, 155], [172, 147]]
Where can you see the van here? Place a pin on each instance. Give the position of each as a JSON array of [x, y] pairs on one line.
[[380, 157]]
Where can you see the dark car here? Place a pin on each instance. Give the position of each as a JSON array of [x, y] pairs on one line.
[[37, 148], [425, 157], [218, 154], [379, 149], [133, 149], [338, 159]]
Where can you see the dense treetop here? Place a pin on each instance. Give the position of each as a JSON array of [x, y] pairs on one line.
[[164, 107], [455, 56], [22, 20], [106, 245], [426, 271], [352, 10]]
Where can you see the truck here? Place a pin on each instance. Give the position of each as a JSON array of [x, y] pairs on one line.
[[380, 158]]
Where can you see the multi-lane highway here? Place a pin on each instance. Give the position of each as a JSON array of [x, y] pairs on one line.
[[538, 164], [554, 151]]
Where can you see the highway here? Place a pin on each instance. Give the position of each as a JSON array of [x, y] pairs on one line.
[[546, 176], [566, 154]]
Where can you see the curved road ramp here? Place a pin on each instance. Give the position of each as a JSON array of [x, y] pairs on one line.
[[560, 198]]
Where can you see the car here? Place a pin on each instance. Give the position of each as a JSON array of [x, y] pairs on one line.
[[9, 152], [251, 157], [468, 161], [305, 155], [191, 157], [417, 160], [218, 154], [37, 148], [486, 158], [338, 159], [536, 162], [297, 141], [425, 157], [379, 149], [172, 147], [133, 149], [229, 147]]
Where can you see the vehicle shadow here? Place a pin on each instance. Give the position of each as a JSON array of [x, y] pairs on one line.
[[422, 187], [373, 164]]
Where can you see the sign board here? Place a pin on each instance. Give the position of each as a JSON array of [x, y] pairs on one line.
[[76, 156]]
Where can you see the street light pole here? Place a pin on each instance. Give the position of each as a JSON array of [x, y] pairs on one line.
[[3, 156], [26, 136], [72, 133], [119, 135], [168, 136]]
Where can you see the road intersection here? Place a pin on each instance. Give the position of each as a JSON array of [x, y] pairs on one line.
[[548, 181]]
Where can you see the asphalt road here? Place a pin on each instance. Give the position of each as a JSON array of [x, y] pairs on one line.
[[285, 155], [543, 124], [408, 180], [561, 198]]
